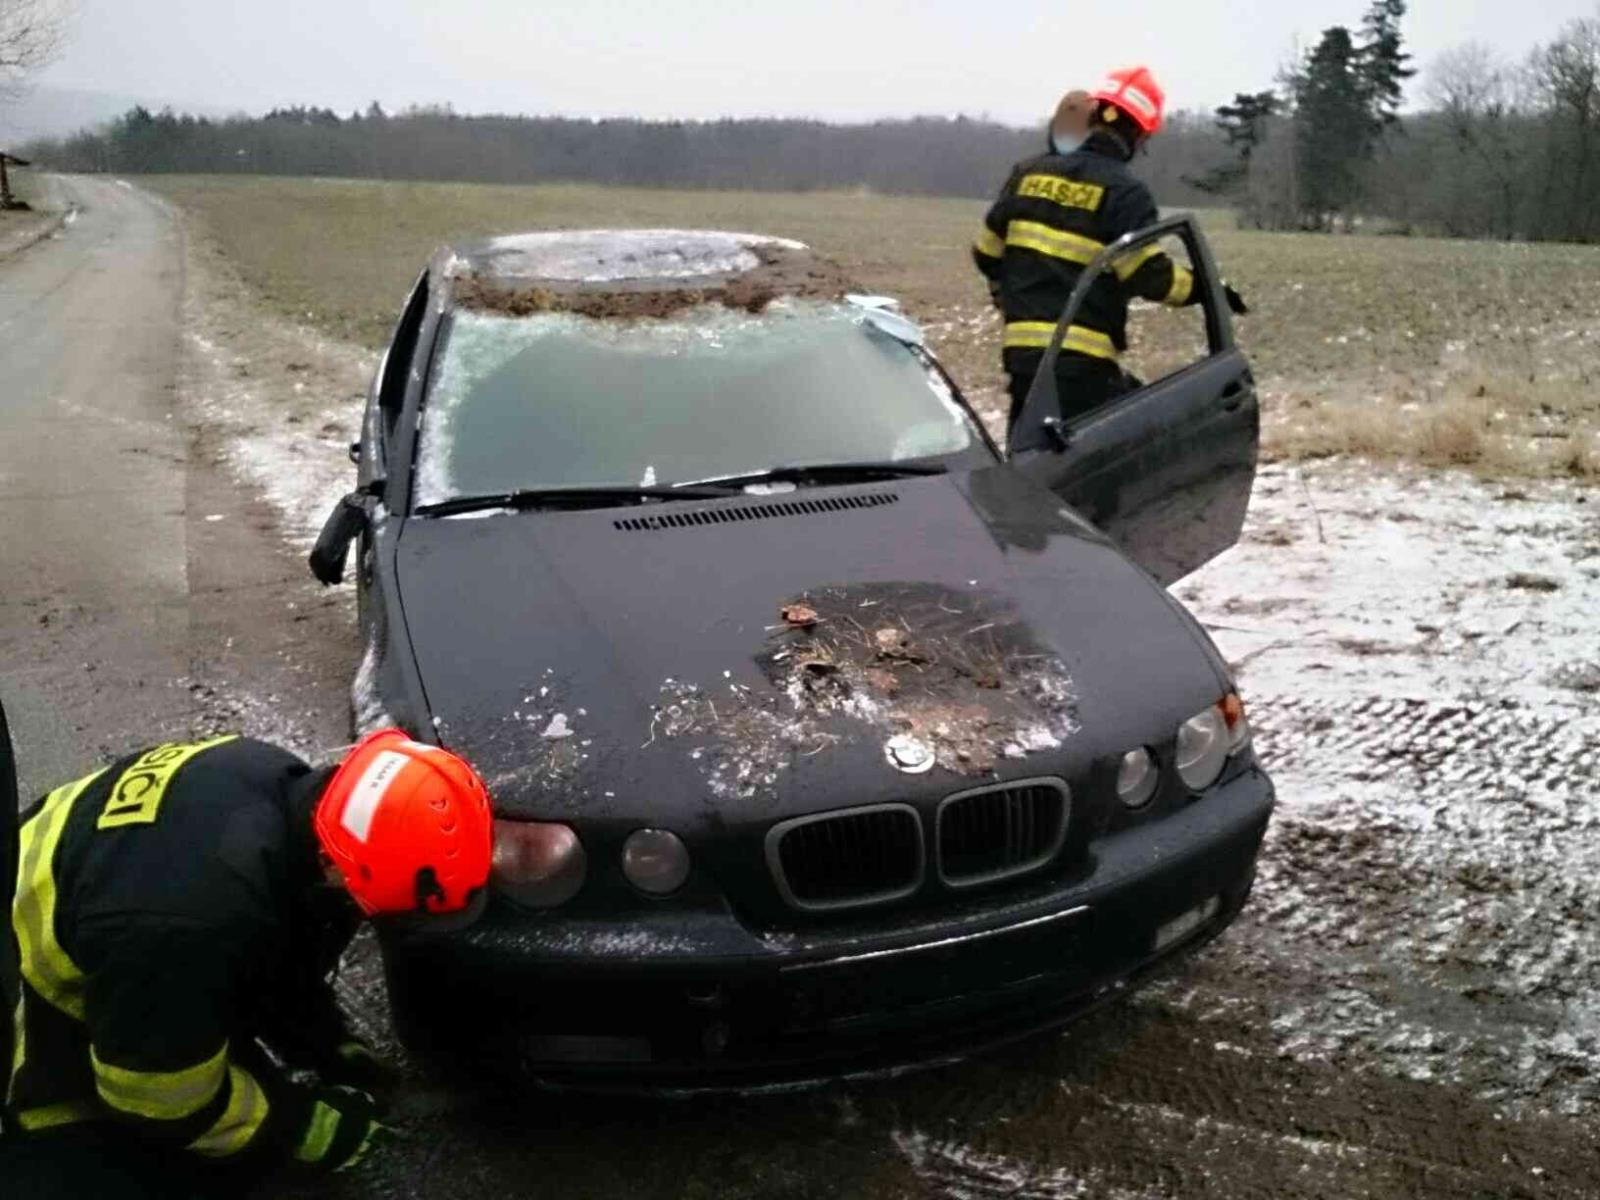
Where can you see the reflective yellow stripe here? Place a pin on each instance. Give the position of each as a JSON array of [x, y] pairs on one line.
[[19, 1048], [45, 964], [362, 1150], [161, 1095], [989, 244], [1031, 235], [1036, 335], [239, 1122], [136, 797], [1128, 265], [53, 1115], [319, 1134], [1182, 286]]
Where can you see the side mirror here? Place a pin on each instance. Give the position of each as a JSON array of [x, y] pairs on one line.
[[343, 526]]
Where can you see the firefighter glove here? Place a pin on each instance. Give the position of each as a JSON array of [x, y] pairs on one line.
[[1235, 300], [356, 1064], [341, 1130]]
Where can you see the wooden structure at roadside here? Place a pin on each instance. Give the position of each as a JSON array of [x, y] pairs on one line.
[[8, 202]]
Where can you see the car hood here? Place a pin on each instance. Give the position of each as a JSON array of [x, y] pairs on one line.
[[784, 654]]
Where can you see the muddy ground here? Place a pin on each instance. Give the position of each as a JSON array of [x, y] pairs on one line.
[[1407, 1009]]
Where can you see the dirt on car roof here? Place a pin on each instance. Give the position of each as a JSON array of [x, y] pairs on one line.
[[785, 270]]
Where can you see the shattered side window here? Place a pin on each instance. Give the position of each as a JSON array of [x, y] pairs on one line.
[[560, 400]]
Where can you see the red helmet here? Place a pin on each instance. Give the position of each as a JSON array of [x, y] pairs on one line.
[[1135, 91], [407, 826]]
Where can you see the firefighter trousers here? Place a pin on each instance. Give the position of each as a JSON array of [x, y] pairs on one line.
[[1084, 383], [95, 1160]]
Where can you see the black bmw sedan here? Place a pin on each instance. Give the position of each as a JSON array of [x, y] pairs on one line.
[[825, 736]]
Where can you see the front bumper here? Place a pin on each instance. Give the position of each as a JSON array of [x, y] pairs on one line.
[[697, 1001]]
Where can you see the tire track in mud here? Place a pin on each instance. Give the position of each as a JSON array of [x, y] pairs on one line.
[[1420, 675], [1146, 1103]]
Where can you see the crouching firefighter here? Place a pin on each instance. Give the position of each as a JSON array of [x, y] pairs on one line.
[[1055, 214], [179, 914]]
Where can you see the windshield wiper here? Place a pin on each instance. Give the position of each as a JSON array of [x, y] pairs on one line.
[[836, 472], [573, 497]]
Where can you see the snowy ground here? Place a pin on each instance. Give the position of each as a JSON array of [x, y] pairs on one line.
[[1421, 655], [285, 399]]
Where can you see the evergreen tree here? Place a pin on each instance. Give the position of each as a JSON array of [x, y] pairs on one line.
[[1332, 126], [1244, 125], [1384, 64]]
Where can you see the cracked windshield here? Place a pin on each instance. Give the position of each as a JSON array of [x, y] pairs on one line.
[[559, 400]]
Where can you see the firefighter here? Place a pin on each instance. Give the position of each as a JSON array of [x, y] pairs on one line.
[[179, 914], [8, 872], [1055, 213]]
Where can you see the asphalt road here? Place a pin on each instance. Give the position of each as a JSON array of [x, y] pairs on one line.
[[92, 485], [145, 594]]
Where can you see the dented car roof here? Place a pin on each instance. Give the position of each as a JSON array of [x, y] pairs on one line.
[[632, 273]]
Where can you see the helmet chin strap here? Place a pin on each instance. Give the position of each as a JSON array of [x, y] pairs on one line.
[[1117, 139]]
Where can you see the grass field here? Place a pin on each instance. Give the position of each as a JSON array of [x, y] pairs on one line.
[[1479, 355], [25, 185]]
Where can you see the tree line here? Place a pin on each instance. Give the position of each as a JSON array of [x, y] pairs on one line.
[[922, 156], [1504, 149]]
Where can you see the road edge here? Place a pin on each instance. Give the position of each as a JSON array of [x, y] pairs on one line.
[[52, 225]]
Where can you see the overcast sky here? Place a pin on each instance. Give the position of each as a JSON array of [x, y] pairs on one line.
[[836, 59]]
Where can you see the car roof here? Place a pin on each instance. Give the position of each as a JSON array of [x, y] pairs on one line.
[[604, 260]]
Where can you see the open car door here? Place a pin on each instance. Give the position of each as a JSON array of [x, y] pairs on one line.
[[1165, 470]]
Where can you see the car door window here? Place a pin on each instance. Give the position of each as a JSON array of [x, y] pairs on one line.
[[1162, 340], [1166, 468], [396, 368]]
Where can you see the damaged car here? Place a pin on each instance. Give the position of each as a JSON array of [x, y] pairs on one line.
[[825, 736]]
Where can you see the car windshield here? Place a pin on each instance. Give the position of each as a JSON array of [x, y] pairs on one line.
[[557, 400]]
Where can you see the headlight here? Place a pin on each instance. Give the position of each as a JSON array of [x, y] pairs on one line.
[[536, 863], [655, 861], [1202, 748], [1137, 778]]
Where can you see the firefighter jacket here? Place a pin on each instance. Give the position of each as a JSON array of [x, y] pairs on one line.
[[8, 871], [1054, 215], [166, 916]]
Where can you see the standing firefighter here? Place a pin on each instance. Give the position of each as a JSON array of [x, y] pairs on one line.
[[1055, 213], [182, 909]]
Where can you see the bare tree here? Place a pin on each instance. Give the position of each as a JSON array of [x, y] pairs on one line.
[[32, 33], [1567, 72], [1475, 97]]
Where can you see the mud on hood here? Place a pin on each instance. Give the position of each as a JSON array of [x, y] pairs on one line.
[[958, 630]]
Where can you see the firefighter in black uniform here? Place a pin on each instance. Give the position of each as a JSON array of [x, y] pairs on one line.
[[8, 872], [1054, 215], [178, 915]]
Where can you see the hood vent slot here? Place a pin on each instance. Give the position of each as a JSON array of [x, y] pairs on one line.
[[728, 514]]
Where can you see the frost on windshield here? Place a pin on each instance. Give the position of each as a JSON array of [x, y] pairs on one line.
[[562, 400]]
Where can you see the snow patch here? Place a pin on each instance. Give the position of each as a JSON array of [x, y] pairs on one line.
[[365, 703], [959, 1172], [1414, 651], [282, 441]]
